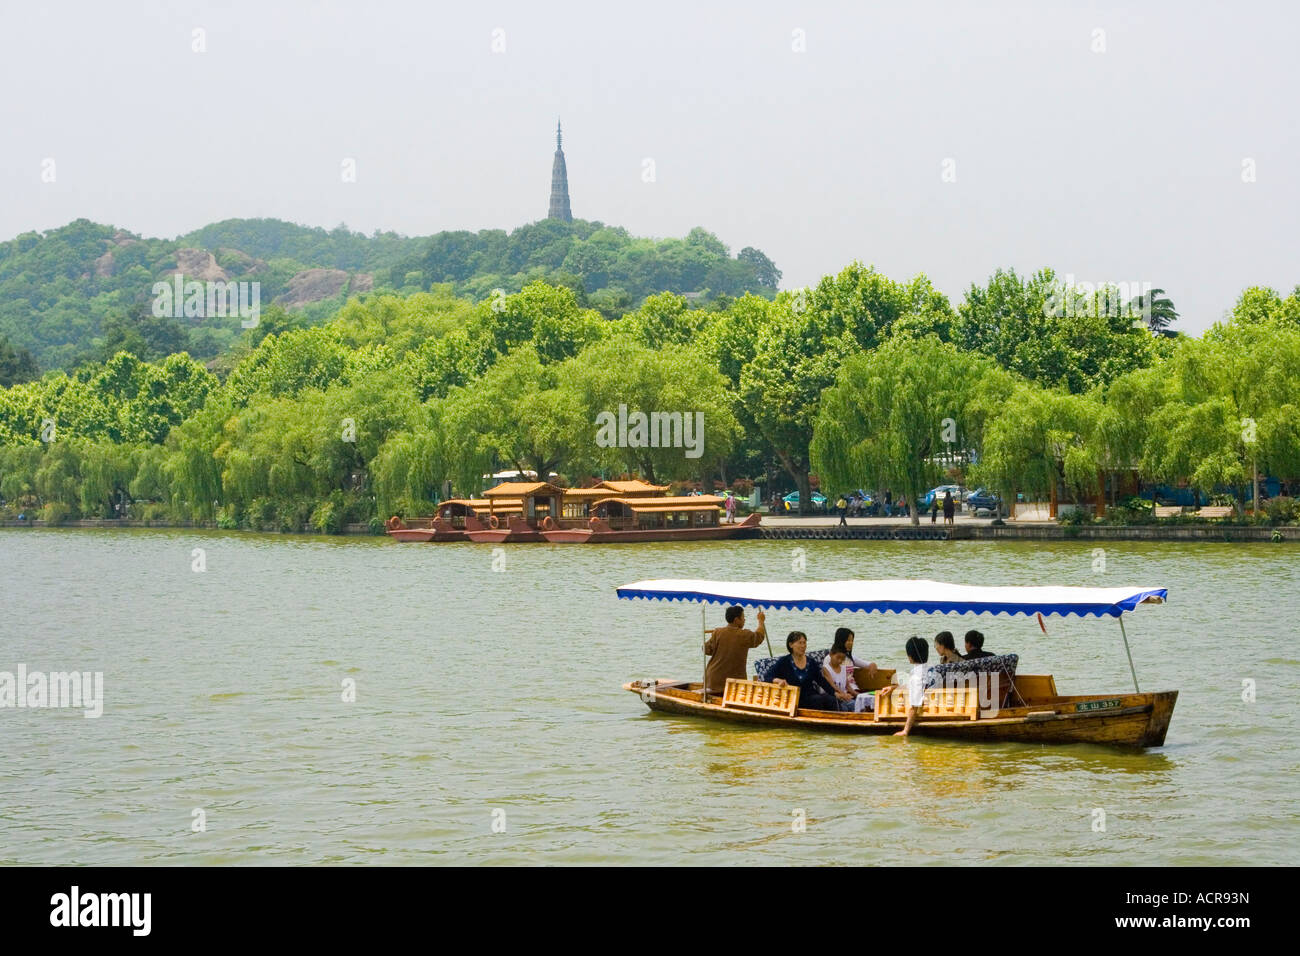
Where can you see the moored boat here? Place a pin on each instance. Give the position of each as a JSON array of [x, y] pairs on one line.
[[449, 523], [1014, 707], [539, 503], [629, 519]]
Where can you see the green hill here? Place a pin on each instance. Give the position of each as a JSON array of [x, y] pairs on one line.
[[80, 292]]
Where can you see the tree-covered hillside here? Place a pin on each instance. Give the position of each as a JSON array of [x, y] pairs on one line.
[[85, 291]]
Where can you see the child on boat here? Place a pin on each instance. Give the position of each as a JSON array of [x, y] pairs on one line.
[[918, 653]]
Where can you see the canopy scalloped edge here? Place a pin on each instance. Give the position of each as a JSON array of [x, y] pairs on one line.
[[1010, 607]]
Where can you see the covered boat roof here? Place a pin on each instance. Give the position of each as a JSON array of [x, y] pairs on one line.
[[522, 489], [901, 597], [482, 504], [683, 503], [589, 493], [634, 487]]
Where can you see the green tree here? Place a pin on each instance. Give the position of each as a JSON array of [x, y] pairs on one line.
[[897, 414]]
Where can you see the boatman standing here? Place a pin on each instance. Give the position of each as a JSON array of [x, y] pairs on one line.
[[728, 649]]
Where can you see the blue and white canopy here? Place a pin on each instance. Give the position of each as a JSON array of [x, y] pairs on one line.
[[900, 597]]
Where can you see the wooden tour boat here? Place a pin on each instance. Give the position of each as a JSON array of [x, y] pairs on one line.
[[449, 523], [538, 503], [613, 511], [624, 519], [1017, 707]]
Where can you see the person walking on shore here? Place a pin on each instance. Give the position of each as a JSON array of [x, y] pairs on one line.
[[934, 509], [949, 508], [731, 509], [842, 505]]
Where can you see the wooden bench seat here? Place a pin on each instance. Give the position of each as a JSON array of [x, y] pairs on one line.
[[1167, 511], [1214, 511], [760, 696], [941, 703]]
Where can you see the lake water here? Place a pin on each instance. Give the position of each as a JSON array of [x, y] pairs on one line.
[[490, 726]]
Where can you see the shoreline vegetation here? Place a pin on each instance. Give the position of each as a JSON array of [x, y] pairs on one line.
[[1030, 387], [1203, 531]]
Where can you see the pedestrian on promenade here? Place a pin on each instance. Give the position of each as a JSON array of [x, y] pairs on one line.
[[731, 509], [889, 503], [842, 505], [934, 509], [949, 508]]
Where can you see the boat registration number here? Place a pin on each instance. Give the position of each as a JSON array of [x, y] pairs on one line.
[[1097, 704]]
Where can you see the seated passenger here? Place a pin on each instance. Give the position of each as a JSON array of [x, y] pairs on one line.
[[845, 635], [918, 654], [838, 668], [838, 672], [815, 692], [946, 648], [975, 646]]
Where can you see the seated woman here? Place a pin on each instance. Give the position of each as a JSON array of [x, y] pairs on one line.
[[918, 654], [845, 636], [815, 693], [946, 647]]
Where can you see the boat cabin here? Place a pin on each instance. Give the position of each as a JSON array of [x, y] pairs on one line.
[[690, 511], [579, 502], [536, 500], [452, 512]]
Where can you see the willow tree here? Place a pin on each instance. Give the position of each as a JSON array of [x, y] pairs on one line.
[[521, 412], [663, 411], [411, 467], [1230, 408], [1044, 438], [897, 413]]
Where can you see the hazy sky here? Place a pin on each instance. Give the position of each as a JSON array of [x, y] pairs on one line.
[[816, 132]]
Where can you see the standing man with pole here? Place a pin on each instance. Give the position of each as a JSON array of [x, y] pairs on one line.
[[727, 649]]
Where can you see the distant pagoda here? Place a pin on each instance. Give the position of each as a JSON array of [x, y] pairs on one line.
[[559, 183]]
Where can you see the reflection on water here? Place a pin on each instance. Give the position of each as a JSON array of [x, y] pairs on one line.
[[481, 693]]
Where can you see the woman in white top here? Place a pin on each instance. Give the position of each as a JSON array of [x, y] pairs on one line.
[[863, 700], [839, 674], [918, 653]]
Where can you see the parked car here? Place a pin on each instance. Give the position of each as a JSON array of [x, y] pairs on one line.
[[939, 492], [792, 501], [981, 500]]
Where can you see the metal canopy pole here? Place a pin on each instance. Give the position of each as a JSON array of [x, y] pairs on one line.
[[1122, 632]]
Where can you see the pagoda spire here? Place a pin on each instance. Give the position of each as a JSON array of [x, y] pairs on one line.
[[559, 182]]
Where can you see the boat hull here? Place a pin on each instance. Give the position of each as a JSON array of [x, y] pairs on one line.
[[1127, 720], [583, 536], [426, 534], [501, 535], [603, 534]]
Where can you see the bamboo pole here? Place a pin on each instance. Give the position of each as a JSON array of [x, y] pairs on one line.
[[704, 622]]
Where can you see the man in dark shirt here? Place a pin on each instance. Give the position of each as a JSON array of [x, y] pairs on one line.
[[728, 649], [975, 646]]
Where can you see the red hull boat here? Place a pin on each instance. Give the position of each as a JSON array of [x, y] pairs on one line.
[[599, 532]]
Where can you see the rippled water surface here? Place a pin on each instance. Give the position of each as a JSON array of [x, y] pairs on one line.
[[489, 697]]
